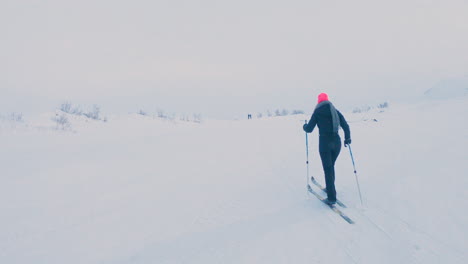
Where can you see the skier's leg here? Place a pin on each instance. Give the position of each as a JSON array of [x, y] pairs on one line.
[[328, 169], [336, 149]]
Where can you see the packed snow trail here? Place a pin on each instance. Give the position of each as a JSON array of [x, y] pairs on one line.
[[332, 207], [324, 190], [140, 190]]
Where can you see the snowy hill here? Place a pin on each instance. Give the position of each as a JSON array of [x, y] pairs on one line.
[[449, 88], [142, 190]]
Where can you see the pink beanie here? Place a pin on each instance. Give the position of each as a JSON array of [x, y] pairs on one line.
[[322, 97]]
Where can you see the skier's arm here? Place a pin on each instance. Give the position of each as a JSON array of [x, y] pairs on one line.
[[344, 125], [309, 127]]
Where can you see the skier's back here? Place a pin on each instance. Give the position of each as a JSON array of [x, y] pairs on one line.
[[328, 120]]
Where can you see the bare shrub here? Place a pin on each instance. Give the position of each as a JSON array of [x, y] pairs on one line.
[[383, 105], [16, 117], [357, 110], [94, 113], [171, 117], [197, 118], [61, 121], [161, 114], [184, 117], [76, 111], [362, 109], [66, 107], [12, 117]]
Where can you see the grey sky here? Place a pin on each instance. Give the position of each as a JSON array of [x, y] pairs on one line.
[[223, 58]]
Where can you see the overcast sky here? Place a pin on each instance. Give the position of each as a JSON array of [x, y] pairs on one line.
[[224, 58]]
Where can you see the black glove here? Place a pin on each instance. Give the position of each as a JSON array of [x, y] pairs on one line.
[[304, 127], [347, 141]]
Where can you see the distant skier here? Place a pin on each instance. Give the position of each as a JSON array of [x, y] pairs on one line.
[[328, 120]]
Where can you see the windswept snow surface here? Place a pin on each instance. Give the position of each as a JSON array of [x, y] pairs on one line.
[[143, 190]]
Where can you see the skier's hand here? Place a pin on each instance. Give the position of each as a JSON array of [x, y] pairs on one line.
[[304, 127], [347, 142]]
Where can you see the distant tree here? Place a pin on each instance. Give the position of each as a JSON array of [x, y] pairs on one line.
[[277, 112], [284, 112], [297, 112], [259, 115]]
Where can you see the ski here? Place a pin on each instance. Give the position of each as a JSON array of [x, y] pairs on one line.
[[325, 190], [333, 207]]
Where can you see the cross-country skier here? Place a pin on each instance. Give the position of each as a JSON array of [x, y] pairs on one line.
[[328, 120]]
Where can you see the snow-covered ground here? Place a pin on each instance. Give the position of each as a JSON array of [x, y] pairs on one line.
[[142, 190]]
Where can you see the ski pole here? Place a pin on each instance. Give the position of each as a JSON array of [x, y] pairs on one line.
[[307, 155], [355, 173]]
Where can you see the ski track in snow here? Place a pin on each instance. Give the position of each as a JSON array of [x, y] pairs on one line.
[[139, 190]]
